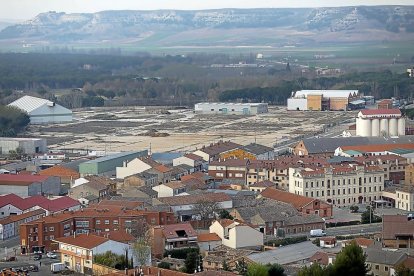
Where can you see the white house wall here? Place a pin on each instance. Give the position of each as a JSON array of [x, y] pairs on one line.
[[297, 104], [133, 167], [183, 160], [50, 114]]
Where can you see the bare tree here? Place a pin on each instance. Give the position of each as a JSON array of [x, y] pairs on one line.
[[142, 250], [206, 209]]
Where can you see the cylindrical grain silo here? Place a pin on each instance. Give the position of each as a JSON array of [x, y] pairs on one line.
[[365, 127], [384, 127], [401, 126], [393, 127], [375, 128]]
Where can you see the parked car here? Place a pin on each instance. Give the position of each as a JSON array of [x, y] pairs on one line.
[[34, 268], [51, 255]]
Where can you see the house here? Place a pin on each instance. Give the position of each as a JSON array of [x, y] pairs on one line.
[[38, 235], [190, 159], [179, 171], [27, 145], [327, 242], [172, 236], [213, 151], [213, 260], [289, 254], [135, 166], [170, 189], [29, 185], [230, 169], [208, 241], [322, 258], [108, 182], [251, 151], [398, 231], [261, 186], [78, 251], [163, 172], [141, 179], [305, 205], [383, 262], [42, 111], [198, 175], [10, 226], [361, 242], [91, 188], [183, 206], [236, 234], [67, 176], [277, 219]]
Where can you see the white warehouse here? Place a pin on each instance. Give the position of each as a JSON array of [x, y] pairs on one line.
[[380, 122], [43, 111], [231, 108], [27, 145]]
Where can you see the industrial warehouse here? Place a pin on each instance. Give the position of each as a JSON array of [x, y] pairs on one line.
[[42, 111], [323, 100], [231, 108], [380, 122]]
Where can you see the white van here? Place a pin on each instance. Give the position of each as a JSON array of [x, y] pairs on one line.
[[317, 233]]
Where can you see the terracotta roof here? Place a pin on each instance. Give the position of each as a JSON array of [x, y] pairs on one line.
[[297, 201], [162, 168], [193, 199], [409, 262], [320, 257], [193, 156], [83, 240], [128, 204], [225, 222], [264, 183], [194, 183], [60, 171], [197, 175], [98, 186], [60, 204], [378, 148], [397, 225], [381, 112], [206, 237], [119, 236], [22, 180], [220, 147], [328, 239], [170, 231], [175, 184], [385, 101], [9, 198]]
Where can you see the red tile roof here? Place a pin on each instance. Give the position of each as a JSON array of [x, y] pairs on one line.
[[119, 236], [19, 179], [14, 218], [60, 204], [83, 240], [9, 198], [170, 231], [225, 222], [297, 201], [206, 237], [264, 183], [193, 156], [60, 171], [55, 205], [381, 112], [162, 168], [397, 225], [196, 175]]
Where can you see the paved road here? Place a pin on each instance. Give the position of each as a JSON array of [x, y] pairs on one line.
[[355, 229]]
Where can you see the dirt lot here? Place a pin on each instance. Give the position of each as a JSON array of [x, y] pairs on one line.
[[127, 128]]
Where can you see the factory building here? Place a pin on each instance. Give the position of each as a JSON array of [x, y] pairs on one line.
[[43, 111], [27, 145], [231, 108], [323, 99], [107, 165], [380, 122]]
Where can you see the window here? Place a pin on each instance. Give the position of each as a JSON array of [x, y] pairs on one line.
[[98, 221], [51, 228], [107, 221], [386, 268], [238, 175], [52, 237], [82, 223], [219, 174], [116, 221]]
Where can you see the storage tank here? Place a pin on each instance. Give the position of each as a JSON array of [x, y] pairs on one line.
[[384, 127], [393, 127], [375, 128], [365, 130], [401, 126]]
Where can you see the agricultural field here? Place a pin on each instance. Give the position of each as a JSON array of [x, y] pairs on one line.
[[161, 129]]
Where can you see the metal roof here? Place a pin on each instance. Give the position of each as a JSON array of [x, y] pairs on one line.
[[286, 254], [29, 104], [326, 93], [113, 156]]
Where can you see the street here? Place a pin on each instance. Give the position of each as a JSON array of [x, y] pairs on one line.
[[354, 229]]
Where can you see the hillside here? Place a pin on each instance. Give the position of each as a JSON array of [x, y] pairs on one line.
[[172, 28]]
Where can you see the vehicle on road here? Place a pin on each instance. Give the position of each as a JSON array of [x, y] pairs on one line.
[[51, 255], [34, 268], [317, 233], [57, 267], [37, 257]]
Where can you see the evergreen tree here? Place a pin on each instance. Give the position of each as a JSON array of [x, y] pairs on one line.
[[350, 261], [257, 270], [190, 262], [275, 270]]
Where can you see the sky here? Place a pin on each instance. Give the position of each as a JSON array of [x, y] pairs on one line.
[[27, 9]]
